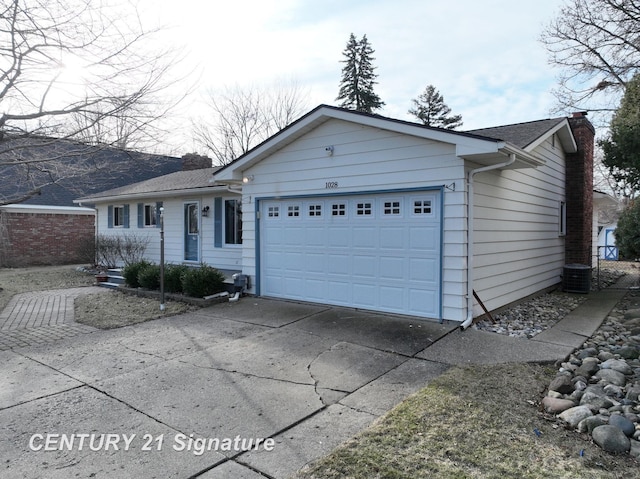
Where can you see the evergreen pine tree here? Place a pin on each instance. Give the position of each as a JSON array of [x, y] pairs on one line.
[[358, 77], [431, 110]]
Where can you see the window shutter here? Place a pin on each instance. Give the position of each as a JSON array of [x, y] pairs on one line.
[[158, 206], [217, 222], [126, 216], [110, 216], [140, 215]]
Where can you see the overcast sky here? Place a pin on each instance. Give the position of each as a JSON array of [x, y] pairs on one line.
[[482, 55]]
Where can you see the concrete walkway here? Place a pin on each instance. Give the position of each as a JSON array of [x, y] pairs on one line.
[[482, 347], [180, 396]]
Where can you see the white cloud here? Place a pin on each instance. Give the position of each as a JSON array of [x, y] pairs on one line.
[[483, 56]]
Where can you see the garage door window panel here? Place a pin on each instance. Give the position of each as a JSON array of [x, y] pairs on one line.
[[293, 211], [392, 208], [422, 207], [314, 210], [339, 210], [364, 209]]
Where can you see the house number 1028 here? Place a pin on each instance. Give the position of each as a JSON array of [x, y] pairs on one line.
[[331, 184]]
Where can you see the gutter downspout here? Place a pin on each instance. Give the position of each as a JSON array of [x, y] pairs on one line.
[[512, 158]]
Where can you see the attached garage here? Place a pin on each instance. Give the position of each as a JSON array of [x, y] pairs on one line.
[[378, 251], [358, 210]]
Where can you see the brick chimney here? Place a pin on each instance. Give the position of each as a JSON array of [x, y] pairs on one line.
[[579, 192], [193, 161]]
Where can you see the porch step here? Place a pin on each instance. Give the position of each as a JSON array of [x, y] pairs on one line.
[[115, 279]]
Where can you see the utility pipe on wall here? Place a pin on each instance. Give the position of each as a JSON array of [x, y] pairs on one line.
[[470, 239]]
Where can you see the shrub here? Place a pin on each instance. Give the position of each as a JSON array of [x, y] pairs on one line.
[[173, 274], [202, 281], [107, 251], [149, 276], [131, 271], [131, 248]]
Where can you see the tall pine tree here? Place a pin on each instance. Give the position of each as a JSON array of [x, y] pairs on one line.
[[431, 110], [358, 77]]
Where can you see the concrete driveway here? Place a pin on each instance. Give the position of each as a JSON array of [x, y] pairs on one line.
[[239, 390]]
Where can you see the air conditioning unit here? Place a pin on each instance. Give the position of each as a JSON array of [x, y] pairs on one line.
[[576, 278]]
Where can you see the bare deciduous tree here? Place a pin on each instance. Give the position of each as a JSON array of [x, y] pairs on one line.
[[595, 45], [241, 118], [70, 69]]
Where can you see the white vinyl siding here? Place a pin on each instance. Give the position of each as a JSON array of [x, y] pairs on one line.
[[221, 258], [518, 249]]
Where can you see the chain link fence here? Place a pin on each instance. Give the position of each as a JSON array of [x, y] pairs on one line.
[[615, 272]]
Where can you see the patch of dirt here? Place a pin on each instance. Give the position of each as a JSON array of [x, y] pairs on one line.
[[113, 309]]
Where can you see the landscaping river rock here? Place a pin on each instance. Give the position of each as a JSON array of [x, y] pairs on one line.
[[597, 389]]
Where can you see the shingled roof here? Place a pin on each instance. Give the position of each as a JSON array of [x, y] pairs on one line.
[[519, 134], [75, 169], [173, 182]]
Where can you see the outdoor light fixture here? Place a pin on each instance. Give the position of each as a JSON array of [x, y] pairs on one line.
[[205, 211], [247, 179], [329, 150]]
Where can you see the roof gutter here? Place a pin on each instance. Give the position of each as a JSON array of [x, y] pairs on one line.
[[470, 238]]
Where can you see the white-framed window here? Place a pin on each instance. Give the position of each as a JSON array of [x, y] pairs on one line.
[[293, 211], [118, 216], [339, 209], [562, 218], [315, 209], [364, 208], [150, 215], [273, 212], [392, 207], [232, 222], [422, 206]]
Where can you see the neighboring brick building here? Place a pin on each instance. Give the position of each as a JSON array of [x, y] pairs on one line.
[[45, 235]]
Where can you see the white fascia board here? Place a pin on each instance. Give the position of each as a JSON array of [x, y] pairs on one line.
[[563, 130], [156, 194], [47, 209]]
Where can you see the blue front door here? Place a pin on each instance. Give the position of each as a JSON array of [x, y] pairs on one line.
[[191, 231]]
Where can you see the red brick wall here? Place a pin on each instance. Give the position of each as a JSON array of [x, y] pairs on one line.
[[44, 239], [579, 193]]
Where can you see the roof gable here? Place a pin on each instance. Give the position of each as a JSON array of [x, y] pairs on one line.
[[530, 134], [468, 145]]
